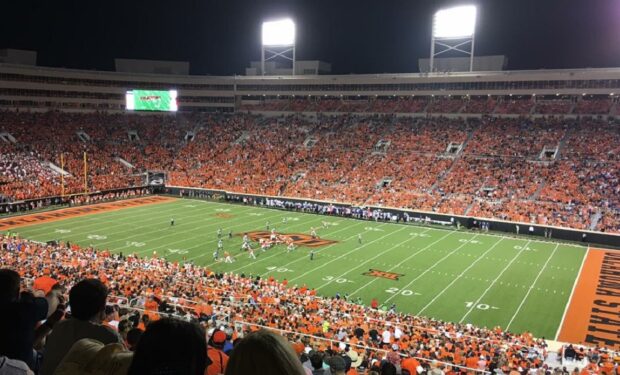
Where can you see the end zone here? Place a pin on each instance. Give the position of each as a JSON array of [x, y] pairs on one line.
[[593, 313], [67, 213]]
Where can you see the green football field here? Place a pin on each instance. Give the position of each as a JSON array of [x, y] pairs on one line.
[[459, 276]]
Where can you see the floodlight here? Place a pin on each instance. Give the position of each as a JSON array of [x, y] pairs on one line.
[[454, 30], [279, 33], [278, 42], [457, 22]]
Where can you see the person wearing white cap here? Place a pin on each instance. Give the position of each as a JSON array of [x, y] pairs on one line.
[[356, 359]]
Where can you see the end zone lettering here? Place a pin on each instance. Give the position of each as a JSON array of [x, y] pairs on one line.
[[383, 274]]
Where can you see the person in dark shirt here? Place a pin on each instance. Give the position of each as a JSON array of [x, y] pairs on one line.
[[19, 315]]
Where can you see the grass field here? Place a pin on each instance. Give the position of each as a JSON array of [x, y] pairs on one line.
[[460, 276]]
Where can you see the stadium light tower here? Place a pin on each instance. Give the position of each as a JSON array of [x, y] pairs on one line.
[[278, 41], [454, 29]]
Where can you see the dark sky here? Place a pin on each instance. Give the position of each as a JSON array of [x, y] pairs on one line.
[[356, 36]]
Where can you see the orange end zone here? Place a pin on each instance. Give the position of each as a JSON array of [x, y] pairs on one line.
[[67, 213], [593, 315]]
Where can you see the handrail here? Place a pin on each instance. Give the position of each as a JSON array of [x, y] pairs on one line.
[[238, 322]]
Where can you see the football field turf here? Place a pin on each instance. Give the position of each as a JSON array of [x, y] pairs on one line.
[[459, 276]]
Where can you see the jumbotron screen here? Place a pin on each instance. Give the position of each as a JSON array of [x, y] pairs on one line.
[[151, 100]]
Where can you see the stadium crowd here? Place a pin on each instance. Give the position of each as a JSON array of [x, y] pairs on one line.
[[542, 170], [119, 322]]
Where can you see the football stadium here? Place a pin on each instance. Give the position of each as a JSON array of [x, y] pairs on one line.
[[462, 217]]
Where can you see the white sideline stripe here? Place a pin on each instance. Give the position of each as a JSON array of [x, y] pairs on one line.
[[159, 229], [345, 254], [209, 253], [459, 276], [531, 287], [371, 259], [279, 253], [473, 306], [570, 298], [407, 258], [428, 269]]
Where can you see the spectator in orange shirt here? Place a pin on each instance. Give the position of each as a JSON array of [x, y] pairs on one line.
[[219, 359]]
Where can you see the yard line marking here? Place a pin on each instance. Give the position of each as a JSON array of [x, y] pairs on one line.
[[90, 218], [157, 219], [532, 287], [347, 253], [159, 229], [572, 292], [459, 276], [325, 248], [279, 253], [431, 267], [96, 221], [263, 217], [376, 256], [494, 281]]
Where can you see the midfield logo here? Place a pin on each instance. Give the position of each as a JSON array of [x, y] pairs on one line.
[[384, 274], [298, 239], [223, 215]]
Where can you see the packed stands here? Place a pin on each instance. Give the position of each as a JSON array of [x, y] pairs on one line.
[[547, 171], [480, 105], [553, 106], [445, 105], [519, 106], [593, 106]]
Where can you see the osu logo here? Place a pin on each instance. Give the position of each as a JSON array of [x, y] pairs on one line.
[[384, 274], [298, 239], [223, 215]]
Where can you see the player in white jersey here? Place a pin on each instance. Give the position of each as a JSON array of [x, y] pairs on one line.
[[290, 247], [251, 252], [313, 232]]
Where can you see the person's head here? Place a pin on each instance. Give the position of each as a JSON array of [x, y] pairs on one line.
[[337, 365], [264, 353], [133, 337], [218, 339], [123, 327], [9, 286], [316, 360], [87, 300], [171, 347], [388, 369]]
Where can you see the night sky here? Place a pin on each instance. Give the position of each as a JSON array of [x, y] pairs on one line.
[[220, 37]]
